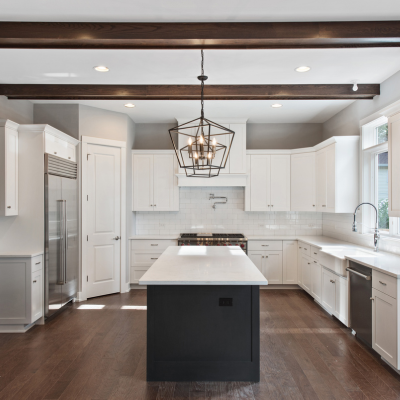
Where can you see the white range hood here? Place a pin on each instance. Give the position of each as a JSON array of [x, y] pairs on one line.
[[221, 180]]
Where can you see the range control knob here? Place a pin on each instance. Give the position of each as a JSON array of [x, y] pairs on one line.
[[242, 246]]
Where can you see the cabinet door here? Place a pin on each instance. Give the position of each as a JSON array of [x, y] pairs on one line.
[[330, 178], [306, 273], [237, 163], [394, 166], [272, 268], [71, 152], [257, 257], [11, 172], [316, 280], [320, 174], [260, 183], [142, 182], [341, 300], [299, 265], [164, 179], [328, 291], [280, 183], [225, 140], [182, 142], [290, 262], [37, 305], [302, 180], [384, 326]]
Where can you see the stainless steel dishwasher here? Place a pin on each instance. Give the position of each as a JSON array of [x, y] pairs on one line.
[[360, 301]]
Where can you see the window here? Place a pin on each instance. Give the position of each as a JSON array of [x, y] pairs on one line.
[[375, 178]]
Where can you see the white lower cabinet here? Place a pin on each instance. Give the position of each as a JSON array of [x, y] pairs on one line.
[[289, 262], [316, 280], [341, 300], [306, 273], [384, 326], [272, 267], [144, 253], [21, 292]]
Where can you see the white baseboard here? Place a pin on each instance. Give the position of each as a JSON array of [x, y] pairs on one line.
[[80, 297], [15, 328], [135, 286]]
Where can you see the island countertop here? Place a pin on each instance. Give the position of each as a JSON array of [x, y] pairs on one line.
[[203, 265]]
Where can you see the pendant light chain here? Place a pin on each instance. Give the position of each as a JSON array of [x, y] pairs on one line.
[[202, 84]]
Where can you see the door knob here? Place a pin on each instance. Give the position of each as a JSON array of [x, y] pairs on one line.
[[117, 238]]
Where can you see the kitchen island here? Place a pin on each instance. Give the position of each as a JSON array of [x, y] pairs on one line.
[[203, 315]]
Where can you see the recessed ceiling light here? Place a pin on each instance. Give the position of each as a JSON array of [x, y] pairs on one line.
[[101, 68], [303, 69], [276, 105], [129, 105]]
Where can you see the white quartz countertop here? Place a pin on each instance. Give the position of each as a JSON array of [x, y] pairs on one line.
[[203, 265], [155, 237], [20, 254]]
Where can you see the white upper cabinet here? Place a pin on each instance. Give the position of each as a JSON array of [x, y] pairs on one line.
[[302, 180], [337, 176], [155, 186], [394, 166], [237, 158], [269, 183], [9, 168]]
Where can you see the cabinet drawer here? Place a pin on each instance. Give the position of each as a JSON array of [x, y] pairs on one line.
[[384, 283], [265, 245], [314, 252], [305, 248], [37, 263], [155, 245], [137, 273], [139, 258]]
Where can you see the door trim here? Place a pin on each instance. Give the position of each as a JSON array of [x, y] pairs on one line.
[[86, 140]]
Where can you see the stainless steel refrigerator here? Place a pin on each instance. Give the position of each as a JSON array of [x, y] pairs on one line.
[[61, 233]]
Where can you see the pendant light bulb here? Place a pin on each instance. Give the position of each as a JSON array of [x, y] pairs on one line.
[[195, 155], [209, 155], [190, 141], [214, 142], [201, 139]]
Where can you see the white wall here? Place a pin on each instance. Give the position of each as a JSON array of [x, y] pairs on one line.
[[197, 215], [19, 111]]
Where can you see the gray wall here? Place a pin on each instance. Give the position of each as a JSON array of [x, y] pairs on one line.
[[283, 136], [19, 111], [346, 122], [153, 137], [64, 117]]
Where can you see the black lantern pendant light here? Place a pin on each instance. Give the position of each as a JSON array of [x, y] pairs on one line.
[[204, 145]]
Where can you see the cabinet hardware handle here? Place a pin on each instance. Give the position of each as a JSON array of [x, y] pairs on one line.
[[315, 262], [315, 253], [154, 258], [8, 206], [155, 205], [34, 281], [55, 152], [313, 205], [323, 205], [382, 283], [309, 263], [265, 245], [37, 263], [371, 298], [154, 245], [262, 257], [69, 158], [332, 281], [299, 247]]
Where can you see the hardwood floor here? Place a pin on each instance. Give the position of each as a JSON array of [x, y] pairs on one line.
[[99, 353]]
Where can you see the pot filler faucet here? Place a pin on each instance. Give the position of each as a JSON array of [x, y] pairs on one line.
[[376, 231]]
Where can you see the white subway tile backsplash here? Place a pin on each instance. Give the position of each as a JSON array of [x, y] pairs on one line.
[[197, 215]]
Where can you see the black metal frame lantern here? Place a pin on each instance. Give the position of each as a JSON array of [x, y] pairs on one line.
[[202, 156]]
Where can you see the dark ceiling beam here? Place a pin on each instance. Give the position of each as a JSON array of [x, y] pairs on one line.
[[222, 35], [188, 92]]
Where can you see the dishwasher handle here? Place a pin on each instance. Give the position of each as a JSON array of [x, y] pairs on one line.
[[367, 277]]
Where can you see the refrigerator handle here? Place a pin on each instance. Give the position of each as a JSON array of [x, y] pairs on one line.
[[61, 263], [65, 239]]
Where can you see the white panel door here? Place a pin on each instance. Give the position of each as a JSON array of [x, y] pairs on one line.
[[11, 172], [320, 175], [237, 163], [316, 280], [272, 268], [394, 166], [306, 273], [260, 183], [143, 182], [328, 291], [280, 183], [289, 262], [331, 179], [104, 220], [384, 326], [163, 182], [302, 180], [257, 257]]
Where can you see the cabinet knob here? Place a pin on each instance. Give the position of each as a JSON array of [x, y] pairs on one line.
[[8, 206], [34, 281], [323, 205], [155, 205], [332, 281], [266, 256], [382, 283], [69, 158], [37, 263], [313, 205], [55, 152], [272, 205]]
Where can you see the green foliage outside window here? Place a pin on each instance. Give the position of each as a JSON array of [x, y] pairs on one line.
[[382, 133], [383, 214]]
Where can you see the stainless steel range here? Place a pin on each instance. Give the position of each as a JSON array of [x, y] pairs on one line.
[[213, 239]]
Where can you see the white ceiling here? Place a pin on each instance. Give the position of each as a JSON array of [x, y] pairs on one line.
[[204, 10], [222, 67]]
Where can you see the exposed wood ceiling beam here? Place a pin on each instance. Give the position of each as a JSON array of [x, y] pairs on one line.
[[188, 92], [224, 35]]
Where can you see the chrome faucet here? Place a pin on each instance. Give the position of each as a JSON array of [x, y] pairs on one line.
[[376, 231]]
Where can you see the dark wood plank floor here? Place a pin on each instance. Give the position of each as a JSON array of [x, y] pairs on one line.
[[100, 354]]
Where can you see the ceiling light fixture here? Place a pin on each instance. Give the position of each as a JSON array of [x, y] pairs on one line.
[[101, 68], [303, 69], [202, 155], [129, 105], [355, 87], [276, 105]]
